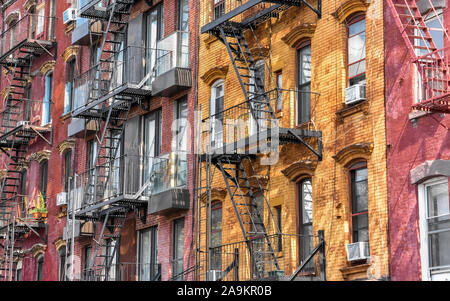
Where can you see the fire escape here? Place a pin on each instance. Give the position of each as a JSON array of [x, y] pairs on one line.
[[422, 28], [109, 89], [19, 44], [233, 23]]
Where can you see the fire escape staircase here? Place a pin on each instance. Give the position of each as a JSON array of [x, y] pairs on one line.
[[432, 63], [112, 110], [15, 136], [243, 194]]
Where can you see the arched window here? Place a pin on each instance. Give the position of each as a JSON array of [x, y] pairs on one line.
[[356, 50], [359, 204], [40, 267], [306, 219], [304, 83]]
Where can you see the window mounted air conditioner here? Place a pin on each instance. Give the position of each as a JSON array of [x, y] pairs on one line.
[[355, 93], [213, 275], [70, 15], [61, 199], [358, 251]]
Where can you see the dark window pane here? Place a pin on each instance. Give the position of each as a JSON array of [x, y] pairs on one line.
[[360, 226]]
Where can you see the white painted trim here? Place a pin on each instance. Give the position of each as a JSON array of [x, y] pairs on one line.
[[423, 227]]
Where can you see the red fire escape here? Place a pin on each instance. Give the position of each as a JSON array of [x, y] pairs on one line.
[[425, 34]]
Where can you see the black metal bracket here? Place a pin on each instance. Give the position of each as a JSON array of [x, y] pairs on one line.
[[317, 152]]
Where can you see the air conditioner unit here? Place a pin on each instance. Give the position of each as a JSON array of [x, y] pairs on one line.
[[70, 15], [358, 251], [61, 199], [213, 275], [355, 94]]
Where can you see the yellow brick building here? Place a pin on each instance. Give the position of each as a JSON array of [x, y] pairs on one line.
[[351, 134]]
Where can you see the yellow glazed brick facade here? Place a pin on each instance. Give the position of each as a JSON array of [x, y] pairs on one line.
[[356, 133]]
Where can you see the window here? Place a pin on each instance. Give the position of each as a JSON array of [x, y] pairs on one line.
[[69, 86], [51, 29], [44, 179], [181, 143], [183, 15], [279, 222], [304, 83], [356, 52], [62, 264], [178, 249], [215, 111], [27, 104], [91, 154], [306, 220], [279, 78], [434, 215], [46, 104], [12, 31], [219, 8], [67, 169], [152, 148], [148, 254], [40, 268], [23, 193], [40, 20], [216, 236], [19, 271], [154, 31], [359, 203], [258, 239]]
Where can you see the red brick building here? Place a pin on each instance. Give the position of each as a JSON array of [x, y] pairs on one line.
[[416, 75], [124, 66]]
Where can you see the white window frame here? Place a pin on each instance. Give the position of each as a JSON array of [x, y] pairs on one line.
[[212, 111], [423, 225]]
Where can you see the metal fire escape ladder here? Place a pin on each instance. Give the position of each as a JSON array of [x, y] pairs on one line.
[[251, 221], [15, 146], [431, 62]]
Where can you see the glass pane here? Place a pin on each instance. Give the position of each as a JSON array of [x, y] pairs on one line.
[[178, 250], [439, 244], [356, 48], [304, 104], [356, 68], [183, 15], [438, 200], [304, 65], [307, 213], [360, 226], [357, 27], [360, 194]]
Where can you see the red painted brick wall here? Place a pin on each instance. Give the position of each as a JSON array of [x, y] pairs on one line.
[[408, 147]]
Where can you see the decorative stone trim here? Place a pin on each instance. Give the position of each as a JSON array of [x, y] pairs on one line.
[[38, 249], [357, 272], [70, 27], [430, 169], [298, 34], [300, 169], [354, 151], [66, 144], [70, 52], [23, 165], [350, 7], [59, 243], [216, 194], [47, 67], [214, 73], [15, 15], [209, 40], [257, 180], [40, 156], [353, 109], [29, 4]]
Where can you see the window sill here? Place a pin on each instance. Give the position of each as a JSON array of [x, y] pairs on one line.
[[355, 272], [349, 110]]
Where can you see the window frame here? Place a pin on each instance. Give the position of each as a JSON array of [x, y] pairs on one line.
[[213, 117], [423, 226], [47, 102], [153, 252], [302, 46], [176, 259], [357, 166], [217, 205], [70, 86], [67, 168], [44, 180], [180, 14], [351, 21], [40, 267]]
